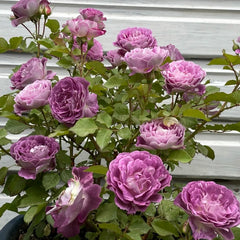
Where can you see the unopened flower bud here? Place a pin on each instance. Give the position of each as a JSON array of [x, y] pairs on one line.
[[235, 46], [44, 8]]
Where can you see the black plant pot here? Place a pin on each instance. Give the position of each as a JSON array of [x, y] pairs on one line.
[[11, 230]]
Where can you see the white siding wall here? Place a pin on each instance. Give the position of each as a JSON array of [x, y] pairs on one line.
[[199, 28]]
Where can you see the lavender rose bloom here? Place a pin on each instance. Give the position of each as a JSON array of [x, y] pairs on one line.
[[136, 179], [145, 60], [84, 28], [34, 95], [183, 76], [114, 57], [95, 15], [95, 53], [74, 204], [173, 52], [70, 100], [131, 38], [213, 209], [34, 154], [32, 70], [24, 10], [166, 133]]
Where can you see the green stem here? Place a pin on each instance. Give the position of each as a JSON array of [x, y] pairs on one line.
[[4, 150], [45, 119]]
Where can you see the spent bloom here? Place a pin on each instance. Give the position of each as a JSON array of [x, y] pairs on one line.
[[145, 60], [212, 208], [75, 202], [32, 70], [136, 179], [70, 100], [184, 76], [34, 95], [131, 38], [25, 10], [34, 154], [165, 133]]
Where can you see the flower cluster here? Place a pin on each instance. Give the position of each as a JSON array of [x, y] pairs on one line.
[[102, 141]]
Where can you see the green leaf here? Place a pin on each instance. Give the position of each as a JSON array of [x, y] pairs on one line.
[[236, 232], [164, 228], [220, 96], [14, 185], [195, 113], [206, 151], [97, 67], [180, 156], [3, 45], [104, 118], [106, 212], [138, 225], [3, 174], [231, 82], [232, 127], [168, 210], [218, 61], [50, 180], [111, 227], [103, 137], [151, 210], [60, 131], [53, 25], [65, 62], [3, 133], [15, 42], [15, 127], [121, 112], [32, 212], [125, 133], [84, 127], [46, 42], [31, 200], [63, 159], [115, 81], [99, 169]]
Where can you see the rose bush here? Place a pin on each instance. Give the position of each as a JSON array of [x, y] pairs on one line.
[[95, 144]]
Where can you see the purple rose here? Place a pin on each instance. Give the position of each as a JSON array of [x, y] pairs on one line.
[[166, 133], [95, 53], [95, 15], [183, 76], [131, 38], [24, 10], [34, 69], [145, 60], [34, 95], [84, 28], [34, 154], [237, 51], [44, 8], [213, 209], [173, 52], [136, 179], [70, 100], [74, 204], [114, 57]]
